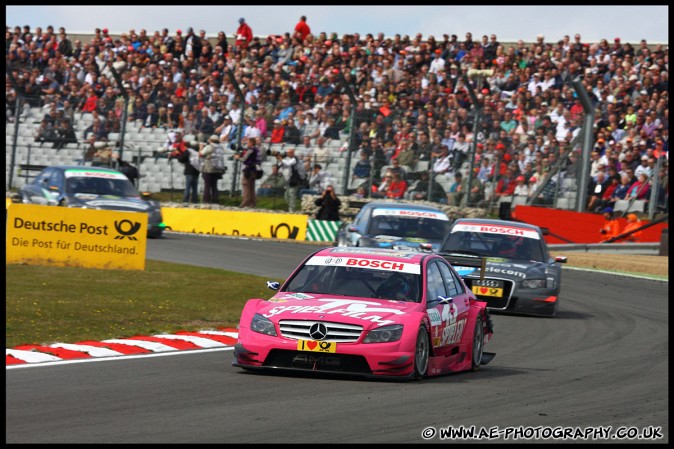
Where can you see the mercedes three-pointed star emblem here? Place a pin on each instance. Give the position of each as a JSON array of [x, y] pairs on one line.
[[318, 331]]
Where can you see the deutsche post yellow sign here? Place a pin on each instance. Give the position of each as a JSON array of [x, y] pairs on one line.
[[63, 236], [235, 223]]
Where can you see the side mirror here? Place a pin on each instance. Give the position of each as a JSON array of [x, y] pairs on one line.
[[425, 246], [560, 259], [273, 285], [352, 229]]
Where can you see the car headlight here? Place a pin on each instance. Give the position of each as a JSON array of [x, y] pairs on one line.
[[262, 325], [533, 283], [384, 334]]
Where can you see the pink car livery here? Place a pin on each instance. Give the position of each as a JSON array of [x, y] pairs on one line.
[[370, 312]]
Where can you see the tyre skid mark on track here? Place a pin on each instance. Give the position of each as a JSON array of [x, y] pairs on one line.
[[181, 340]]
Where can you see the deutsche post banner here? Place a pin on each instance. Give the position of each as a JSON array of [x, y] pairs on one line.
[[63, 236], [235, 223]]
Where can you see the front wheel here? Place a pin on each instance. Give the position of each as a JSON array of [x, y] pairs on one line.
[[478, 344], [421, 353]]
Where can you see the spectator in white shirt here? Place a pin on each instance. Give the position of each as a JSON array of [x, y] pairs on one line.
[[442, 164]]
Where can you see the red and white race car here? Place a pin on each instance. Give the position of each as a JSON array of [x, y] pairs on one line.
[[367, 311]]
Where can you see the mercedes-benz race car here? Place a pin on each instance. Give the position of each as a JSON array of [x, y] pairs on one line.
[[91, 188], [395, 225], [520, 276], [369, 312]]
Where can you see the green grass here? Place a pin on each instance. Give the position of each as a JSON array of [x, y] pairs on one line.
[[47, 305]]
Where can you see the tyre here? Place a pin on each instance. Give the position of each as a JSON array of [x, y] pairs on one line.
[[421, 353], [478, 344]]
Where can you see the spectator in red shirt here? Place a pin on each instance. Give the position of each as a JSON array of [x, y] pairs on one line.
[[576, 110], [608, 193], [91, 103], [302, 30], [506, 185], [244, 34], [277, 132], [178, 146], [398, 186]]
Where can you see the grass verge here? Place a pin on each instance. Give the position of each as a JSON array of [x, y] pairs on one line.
[[47, 305]]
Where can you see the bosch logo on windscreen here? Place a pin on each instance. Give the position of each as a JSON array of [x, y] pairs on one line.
[[500, 230], [371, 264], [416, 213], [384, 264], [496, 229], [409, 213]]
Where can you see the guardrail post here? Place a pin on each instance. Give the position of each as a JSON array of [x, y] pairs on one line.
[[664, 243]]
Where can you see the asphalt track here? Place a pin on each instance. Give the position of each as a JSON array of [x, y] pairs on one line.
[[603, 361]]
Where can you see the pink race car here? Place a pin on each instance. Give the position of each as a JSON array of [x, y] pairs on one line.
[[370, 312]]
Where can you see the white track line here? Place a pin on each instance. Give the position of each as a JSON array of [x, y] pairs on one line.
[[227, 334], [31, 356], [149, 345], [93, 351], [199, 341]]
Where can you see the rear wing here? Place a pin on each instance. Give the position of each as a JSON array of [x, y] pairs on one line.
[[462, 260]]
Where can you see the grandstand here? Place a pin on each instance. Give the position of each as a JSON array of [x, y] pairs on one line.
[[411, 93]]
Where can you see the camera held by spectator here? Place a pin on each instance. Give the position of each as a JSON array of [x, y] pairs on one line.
[[276, 153]]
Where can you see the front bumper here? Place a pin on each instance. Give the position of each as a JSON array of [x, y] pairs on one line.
[[519, 300], [532, 304], [370, 360]]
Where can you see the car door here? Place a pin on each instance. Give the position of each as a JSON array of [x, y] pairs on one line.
[[448, 317], [447, 306]]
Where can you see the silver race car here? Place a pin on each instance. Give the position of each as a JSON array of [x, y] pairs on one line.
[[518, 274], [92, 188], [395, 226]]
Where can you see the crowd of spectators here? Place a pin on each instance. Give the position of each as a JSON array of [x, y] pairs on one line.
[[413, 113]]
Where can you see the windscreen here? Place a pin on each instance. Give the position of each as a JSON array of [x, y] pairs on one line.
[[409, 223], [364, 278], [100, 186], [494, 241]]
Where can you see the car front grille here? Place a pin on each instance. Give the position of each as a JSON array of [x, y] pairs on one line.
[[492, 302], [337, 332]]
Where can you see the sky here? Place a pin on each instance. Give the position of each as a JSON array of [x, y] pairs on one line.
[[509, 23]]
